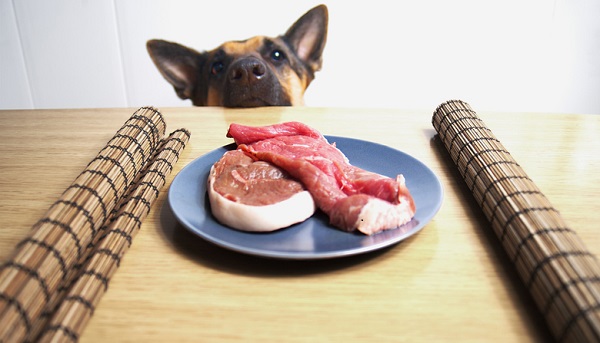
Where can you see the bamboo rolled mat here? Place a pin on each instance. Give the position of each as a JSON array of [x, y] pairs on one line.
[[57, 275], [562, 276]]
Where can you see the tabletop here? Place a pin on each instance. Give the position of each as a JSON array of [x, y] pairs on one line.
[[449, 282]]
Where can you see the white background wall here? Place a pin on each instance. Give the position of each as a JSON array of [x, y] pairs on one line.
[[510, 55]]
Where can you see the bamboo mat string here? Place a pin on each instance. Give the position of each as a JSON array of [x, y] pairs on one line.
[[43, 265], [560, 273]]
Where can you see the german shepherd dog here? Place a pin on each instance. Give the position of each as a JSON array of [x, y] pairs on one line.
[[259, 71]]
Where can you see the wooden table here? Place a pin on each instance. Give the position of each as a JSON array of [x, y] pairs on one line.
[[450, 282]]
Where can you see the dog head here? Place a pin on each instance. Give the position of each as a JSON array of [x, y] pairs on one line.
[[259, 71]]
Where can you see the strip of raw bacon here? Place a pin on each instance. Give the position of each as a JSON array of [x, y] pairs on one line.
[[353, 198]]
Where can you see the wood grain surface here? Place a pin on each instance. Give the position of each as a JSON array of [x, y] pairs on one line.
[[450, 282]]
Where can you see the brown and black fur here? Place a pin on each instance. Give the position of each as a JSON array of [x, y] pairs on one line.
[[259, 71]]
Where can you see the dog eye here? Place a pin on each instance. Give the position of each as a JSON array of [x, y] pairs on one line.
[[216, 68], [277, 55]]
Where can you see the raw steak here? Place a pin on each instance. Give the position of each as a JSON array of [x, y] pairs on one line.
[[353, 198], [253, 195]]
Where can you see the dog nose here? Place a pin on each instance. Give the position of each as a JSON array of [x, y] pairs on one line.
[[247, 71]]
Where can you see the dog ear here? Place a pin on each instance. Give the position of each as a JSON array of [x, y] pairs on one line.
[[178, 64], [308, 35]]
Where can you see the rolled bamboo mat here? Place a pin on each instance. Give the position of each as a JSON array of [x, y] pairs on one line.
[[562, 276], [70, 245]]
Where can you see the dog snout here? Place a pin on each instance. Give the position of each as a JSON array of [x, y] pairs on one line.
[[247, 71]]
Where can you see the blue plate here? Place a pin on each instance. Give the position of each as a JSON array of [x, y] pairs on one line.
[[313, 238]]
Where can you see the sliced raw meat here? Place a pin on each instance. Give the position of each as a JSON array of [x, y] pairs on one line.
[[254, 195], [244, 134], [353, 198]]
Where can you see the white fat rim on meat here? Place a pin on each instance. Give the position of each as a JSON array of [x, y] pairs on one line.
[[295, 209], [378, 215]]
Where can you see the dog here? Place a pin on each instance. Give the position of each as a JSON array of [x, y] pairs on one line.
[[259, 71]]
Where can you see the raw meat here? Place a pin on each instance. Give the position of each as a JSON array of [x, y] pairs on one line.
[[245, 134], [253, 195], [353, 198]]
